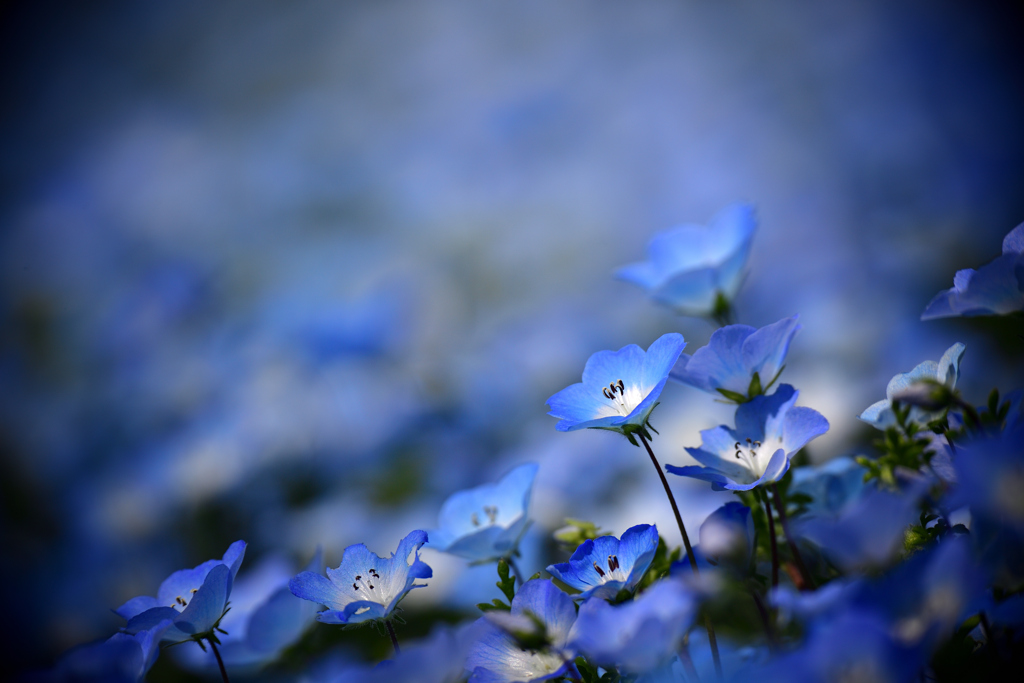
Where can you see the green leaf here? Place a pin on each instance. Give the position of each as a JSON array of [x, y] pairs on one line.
[[507, 584], [733, 396], [496, 604], [587, 671], [755, 386]]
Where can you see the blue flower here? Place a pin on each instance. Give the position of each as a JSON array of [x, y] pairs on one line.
[[946, 371], [122, 658], [691, 268], [364, 586], [486, 522], [439, 658], [619, 388], [193, 600], [264, 619], [734, 354], [769, 429], [497, 658], [830, 486], [727, 536], [601, 567], [996, 288], [640, 635]]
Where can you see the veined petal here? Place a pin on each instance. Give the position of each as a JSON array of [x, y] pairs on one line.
[[556, 609], [137, 606], [208, 604], [661, 355], [800, 426], [636, 549], [316, 588], [765, 350], [949, 365], [605, 367], [233, 557]]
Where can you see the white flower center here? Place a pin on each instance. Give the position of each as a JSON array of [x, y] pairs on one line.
[[755, 455], [490, 511], [368, 585], [623, 400], [612, 571]]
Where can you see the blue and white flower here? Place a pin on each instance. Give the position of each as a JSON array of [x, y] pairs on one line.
[[365, 586], [486, 522], [769, 430], [601, 567], [619, 388], [945, 372], [193, 600], [640, 635], [996, 288], [734, 354], [497, 657], [691, 268]]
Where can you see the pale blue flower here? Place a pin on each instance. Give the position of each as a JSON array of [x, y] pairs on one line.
[[486, 522], [601, 567], [122, 658], [193, 600], [496, 657], [831, 486], [692, 267], [734, 354], [727, 536], [996, 288], [639, 635], [946, 372], [769, 430], [365, 586], [619, 388]]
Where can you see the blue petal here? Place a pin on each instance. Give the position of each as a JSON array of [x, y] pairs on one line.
[[1013, 243], [316, 588], [364, 610], [948, 370], [801, 425], [181, 582], [691, 292], [137, 606], [577, 403], [605, 367], [233, 557], [278, 622], [760, 418], [879, 414], [765, 350], [719, 364], [636, 550], [643, 274], [151, 619], [208, 604], [556, 609], [659, 359], [702, 473]]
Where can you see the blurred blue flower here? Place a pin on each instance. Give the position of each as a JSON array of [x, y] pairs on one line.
[[727, 536], [194, 600], [264, 619], [496, 657], [364, 586], [734, 354], [946, 371], [486, 522], [619, 388], [691, 268], [990, 477], [640, 635], [996, 288], [831, 486], [769, 429], [601, 567], [122, 658]]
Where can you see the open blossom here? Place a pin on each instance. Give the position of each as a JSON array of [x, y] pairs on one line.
[[734, 355], [486, 522], [193, 600], [497, 657], [365, 586], [619, 388], [769, 429], [690, 268], [946, 372], [601, 567], [996, 288]]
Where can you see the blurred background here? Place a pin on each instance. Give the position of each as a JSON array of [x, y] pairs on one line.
[[296, 272]]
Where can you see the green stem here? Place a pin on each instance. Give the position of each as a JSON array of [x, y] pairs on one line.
[[220, 662], [712, 639], [515, 570], [771, 536], [780, 505], [394, 637]]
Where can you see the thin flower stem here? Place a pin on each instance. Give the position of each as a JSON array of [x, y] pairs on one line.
[[515, 570], [220, 662], [684, 657], [780, 506], [394, 638], [771, 536], [765, 619], [712, 640]]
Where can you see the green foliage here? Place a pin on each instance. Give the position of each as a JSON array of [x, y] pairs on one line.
[[660, 565], [755, 388], [575, 532], [734, 396], [506, 584], [921, 535], [900, 446], [589, 674]]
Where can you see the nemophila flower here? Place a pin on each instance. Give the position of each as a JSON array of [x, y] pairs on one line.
[[769, 429], [697, 270], [122, 658], [994, 289], [264, 619], [497, 657], [193, 600], [740, 361], [619, 388], [990, 477], [946, 372], [486, 522], [830, 486], [636, 636], [727, 536], [365, 586], [601, 567]]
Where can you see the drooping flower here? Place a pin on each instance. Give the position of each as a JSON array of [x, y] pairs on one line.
[[640, 635], [193, 600], [601, 567], [739, 361], [486, 522], [619, 388], [264, 619], [364, 586], [996, 288], [945, 372], [122, 658], [769, 429], [694, 269], [497, 657]]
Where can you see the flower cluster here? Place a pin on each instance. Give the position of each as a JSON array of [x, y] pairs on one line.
[[886, 568]]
